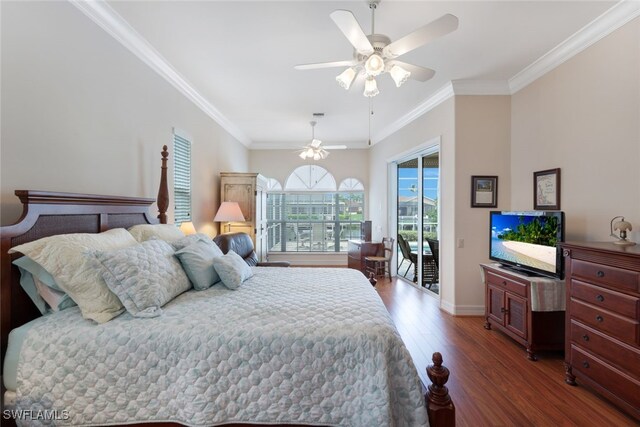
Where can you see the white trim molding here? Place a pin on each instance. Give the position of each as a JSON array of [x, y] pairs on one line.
[[115, 25], [429, 104], [614, 18], [462, 310]]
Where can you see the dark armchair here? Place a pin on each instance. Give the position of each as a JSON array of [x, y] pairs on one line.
[[242, 244]]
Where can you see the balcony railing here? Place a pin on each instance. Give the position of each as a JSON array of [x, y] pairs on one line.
[[311, 236]]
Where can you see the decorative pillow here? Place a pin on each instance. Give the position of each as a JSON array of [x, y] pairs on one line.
[[145, 277], [62, 256], [233, 270], [166, 232], [41, 287], [185, 241], [197, 261]]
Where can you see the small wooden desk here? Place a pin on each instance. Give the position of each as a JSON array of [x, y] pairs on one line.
[[357, 250]]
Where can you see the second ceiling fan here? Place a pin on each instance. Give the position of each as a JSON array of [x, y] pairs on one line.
[[375, 54]]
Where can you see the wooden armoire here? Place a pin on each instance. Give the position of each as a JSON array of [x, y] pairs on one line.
[[249, 191]]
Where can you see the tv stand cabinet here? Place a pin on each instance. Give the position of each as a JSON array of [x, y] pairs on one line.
[[528, 309]]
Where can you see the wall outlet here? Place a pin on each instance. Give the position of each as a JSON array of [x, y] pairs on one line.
[[460, 243]]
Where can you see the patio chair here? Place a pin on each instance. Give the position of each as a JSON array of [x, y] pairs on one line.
[[412, 257]]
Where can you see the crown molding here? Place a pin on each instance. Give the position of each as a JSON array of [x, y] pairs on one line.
[[292, 146], [116, 26], [444, 93], [612, 19]]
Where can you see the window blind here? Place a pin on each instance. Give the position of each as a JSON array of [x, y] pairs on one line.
[[182, 179]]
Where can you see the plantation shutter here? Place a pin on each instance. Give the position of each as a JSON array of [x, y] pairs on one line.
[[182, 179]]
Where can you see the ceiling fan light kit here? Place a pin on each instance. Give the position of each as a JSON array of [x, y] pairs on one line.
[[314, 150], [375, 54]]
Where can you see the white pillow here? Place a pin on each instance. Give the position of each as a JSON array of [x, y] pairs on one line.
[[62, 256], [145, 277], [166, 232]]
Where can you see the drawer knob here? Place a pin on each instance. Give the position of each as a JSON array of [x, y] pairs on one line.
[[600, 298], [600, 273], [504, 283], [599, 318], [585, 337], [585, 364]]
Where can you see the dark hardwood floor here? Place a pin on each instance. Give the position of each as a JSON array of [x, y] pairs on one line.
[[492, 383]]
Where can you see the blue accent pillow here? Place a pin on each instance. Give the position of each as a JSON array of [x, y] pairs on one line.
[[197, 261], [54, 298], [232, 269]]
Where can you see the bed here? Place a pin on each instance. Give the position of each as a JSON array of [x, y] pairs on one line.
[[292, 346]]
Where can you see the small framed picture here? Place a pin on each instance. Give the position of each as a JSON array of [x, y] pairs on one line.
[[546, 190], [484, 191]]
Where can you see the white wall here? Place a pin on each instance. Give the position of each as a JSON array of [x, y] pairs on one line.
[[80, 113], [482, 148], [584, 117]]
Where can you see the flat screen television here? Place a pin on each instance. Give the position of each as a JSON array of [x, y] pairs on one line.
[[528, 241]]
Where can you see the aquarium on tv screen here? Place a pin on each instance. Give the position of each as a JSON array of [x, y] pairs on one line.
[[528, 241]]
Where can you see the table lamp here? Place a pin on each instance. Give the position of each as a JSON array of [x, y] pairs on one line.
[[187, 228], [229, 212], [622, 226]]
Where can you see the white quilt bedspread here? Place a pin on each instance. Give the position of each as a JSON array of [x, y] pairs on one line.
[[292, 345]]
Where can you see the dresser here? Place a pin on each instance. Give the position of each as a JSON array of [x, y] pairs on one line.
[[603, 321], [529, 309], [249, 191], [357, 250]]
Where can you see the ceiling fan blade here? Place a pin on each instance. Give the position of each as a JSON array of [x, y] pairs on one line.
[[441, 26], [422, 74], [349, 26], [318, 65], [335, 147]]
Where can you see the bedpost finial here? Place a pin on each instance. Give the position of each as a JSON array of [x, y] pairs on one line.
[[164, 152], [439, 405]]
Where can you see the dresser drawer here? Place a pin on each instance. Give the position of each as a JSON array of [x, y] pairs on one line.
[[606, 275], [620, 355], [622, 304], [507, 283], [619, 383], [620, 327]]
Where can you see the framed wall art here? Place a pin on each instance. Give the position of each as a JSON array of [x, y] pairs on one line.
[[546, 189], [484, 191]]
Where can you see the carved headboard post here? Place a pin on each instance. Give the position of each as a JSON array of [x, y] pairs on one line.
[[163, 191]]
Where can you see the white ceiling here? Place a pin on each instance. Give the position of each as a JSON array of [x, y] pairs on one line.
[[240, 55]]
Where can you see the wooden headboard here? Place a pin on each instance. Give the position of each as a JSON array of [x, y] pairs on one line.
[[47, 213]]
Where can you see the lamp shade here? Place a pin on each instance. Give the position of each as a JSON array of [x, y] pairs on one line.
[[229, 212], [370, 87], [187, 228], [374, 65], [346, 78], [399, 75]]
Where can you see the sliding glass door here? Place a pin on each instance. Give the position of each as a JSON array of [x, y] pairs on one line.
[[418, 189]]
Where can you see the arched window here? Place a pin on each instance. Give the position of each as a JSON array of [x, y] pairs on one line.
[[311, 215], [273, 185], [310, 178], [351, 184]]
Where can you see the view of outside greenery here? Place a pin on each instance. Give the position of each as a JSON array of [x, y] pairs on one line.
[[313, 221]]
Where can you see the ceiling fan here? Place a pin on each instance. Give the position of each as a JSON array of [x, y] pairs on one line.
[[314, 150], [376, 54]]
